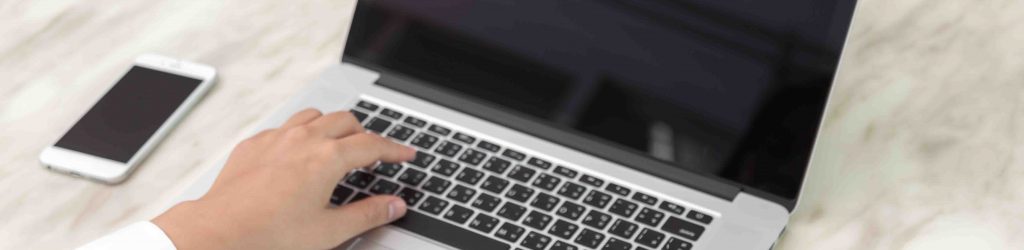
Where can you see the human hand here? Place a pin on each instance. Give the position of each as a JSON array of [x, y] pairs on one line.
[[273, 192]]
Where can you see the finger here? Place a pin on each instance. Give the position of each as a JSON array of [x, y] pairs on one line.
[[356, 218], [336, 125], [364, 149], [302, 117]]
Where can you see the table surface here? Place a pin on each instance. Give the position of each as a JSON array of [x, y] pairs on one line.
[[919, 149]]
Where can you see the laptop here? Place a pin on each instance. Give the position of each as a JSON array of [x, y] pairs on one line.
[[568, 124]]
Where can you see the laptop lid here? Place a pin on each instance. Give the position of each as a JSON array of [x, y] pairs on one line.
[[722, 95]]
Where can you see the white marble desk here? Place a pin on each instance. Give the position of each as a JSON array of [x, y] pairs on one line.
[[919, 150]]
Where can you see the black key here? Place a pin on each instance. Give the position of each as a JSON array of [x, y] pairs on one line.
[[484, 223], [519, 193], [472, 157], [401, 133], [511, 211], [699, 217], [422, 159], [439, 130], [360, 116], [340, 194], [563, 229], [486, 145], [516, 155], [412, 177], [535, 241], [458, 214], [359, 196], [572, 190], [650, 217], [463, 138], [616, 189], [593, 181], [448, 148], [521, 173], [597, 199], [616, 244], [545, 202], [486, 202], [378, 125], [470, 176], [646, 199], [445, 167], [507, 232], [546, 182], [496, 165], [388, 169], [564, 171], [367, 105], [561, 245], [449, 234], [597, 219], [360, 179], [538, 162], [671, 207], [494, 184], [424, 141], [415, 121], [571, 211], [623, 208], [461, 193], [433, 205], [537, 220], [623, 228], [384, 187], [650, 238], [391, 113], [436, 185], [683, 228], [677, 244], [411, 196], [589, 238]]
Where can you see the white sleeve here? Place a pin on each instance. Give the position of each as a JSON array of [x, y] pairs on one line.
[[140, 235]]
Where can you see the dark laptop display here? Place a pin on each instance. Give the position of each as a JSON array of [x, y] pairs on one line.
[[733, 89]]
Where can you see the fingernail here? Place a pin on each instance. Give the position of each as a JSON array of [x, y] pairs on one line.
[[396, 209]]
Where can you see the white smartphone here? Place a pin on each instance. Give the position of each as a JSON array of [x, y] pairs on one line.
[[120, 129]]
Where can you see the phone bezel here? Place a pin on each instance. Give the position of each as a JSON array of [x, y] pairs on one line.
[[110, 171]]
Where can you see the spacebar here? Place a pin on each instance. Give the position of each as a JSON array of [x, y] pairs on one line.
[[446, 233]]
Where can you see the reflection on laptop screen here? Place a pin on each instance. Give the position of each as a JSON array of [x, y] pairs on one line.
[[733, 89]]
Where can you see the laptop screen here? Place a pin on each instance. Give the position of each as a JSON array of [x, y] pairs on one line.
[[733, 89]]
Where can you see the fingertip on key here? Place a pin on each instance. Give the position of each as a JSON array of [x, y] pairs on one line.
[[410, 153]]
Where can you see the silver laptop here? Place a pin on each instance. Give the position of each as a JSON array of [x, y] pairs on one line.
[[609, 124]]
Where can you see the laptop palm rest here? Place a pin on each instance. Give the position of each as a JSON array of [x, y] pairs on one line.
[[389, 238]]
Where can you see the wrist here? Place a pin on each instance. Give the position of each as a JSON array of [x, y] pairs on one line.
[[189, 226]]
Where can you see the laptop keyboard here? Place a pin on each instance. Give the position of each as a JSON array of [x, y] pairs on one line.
[[470, 193]]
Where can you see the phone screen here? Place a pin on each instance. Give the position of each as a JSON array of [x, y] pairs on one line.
[[131, 111]]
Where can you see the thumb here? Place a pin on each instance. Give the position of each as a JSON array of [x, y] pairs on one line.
[[361, 216]]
